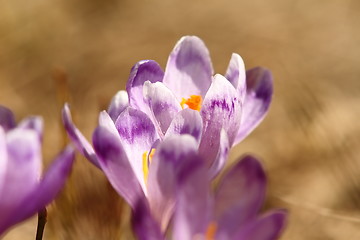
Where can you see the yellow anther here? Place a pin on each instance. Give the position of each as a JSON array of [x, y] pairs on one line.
[[146, 163], [193, 102], [211, 231]]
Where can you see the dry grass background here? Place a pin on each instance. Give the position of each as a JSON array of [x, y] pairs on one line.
[[309, 142]]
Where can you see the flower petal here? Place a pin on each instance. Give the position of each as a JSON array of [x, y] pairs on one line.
[[187, 121], [221, 109], [163, 104], [189, 70], [7, 118], [258, 98], [3, 157], [193, 206], [45, 191], [137, 135], [162, 175], [34, 123], [77, 138], [144, 225], [236, 75], [147, 70], [23, 168], [118, 104], [240, 195], [269, 227], [115, 164], [222, 156]]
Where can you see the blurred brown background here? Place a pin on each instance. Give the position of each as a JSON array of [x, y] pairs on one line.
[[82, 51]]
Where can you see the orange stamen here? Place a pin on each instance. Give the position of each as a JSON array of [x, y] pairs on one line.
[[193, 102], [211, 231]]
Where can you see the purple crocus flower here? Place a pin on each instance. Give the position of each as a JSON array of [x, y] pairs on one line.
[[134, 159], [157, 106], [231, 213], [23, 192], [236, 102]]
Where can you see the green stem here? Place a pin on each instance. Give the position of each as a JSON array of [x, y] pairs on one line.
[[42, 216]]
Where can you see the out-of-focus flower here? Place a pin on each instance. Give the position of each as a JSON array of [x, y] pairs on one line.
[[231, 213], [23, 192]]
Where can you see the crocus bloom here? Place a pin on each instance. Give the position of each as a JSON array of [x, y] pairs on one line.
[[236, 102], [128, 150], [186, 99], [231, 213], [23, 192]]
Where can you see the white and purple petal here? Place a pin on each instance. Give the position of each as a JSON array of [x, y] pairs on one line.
[[165, 164], [118, 104], [240, 195], [7, 118], [187, 121], [77, 137], [144, 225], [44, 192], [3, 157], [147, 70], [268, 227], [235, 73], [163, 104], [137, 134], [221, 109], [23, 169], [34, 123], [222, 156], [257, 102], [189, 69], [115, 164], [193, 207]]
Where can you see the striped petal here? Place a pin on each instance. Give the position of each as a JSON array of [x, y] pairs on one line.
[[189, 69], [257, 102]]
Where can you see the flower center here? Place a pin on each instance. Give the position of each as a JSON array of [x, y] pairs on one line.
[[211, 231], [146, 163], [193, 102]]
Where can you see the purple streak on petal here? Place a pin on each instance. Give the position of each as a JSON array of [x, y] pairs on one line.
[[78, 138], [236, 75], [7, 119], [162, 174], [45, 191], [23, 168], [192, 211], [187, 121], [258, 98], [146, 70], [269, 227], [34, 123], [189, 70], [115, 164], [118, 104], [221, 109], [240, 195], [144, 225], [137, 135], [163, 104], [222, 156]]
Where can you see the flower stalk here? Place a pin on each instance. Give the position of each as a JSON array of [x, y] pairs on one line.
[[42, 219]]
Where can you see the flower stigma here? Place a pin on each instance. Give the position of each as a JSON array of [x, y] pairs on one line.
[[146, 163], [193, 102]]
